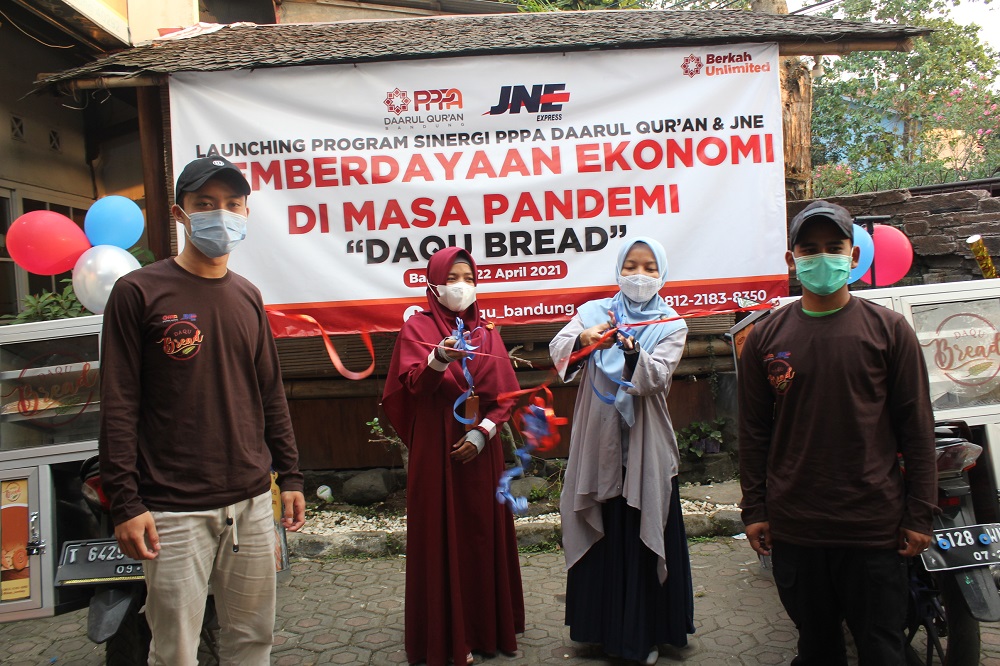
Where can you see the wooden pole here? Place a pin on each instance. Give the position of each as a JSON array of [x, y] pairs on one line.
[[154, 173]]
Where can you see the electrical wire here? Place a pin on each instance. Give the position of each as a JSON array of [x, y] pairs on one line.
[[678, 5], [727, 4], [818, 4], [27, 34]]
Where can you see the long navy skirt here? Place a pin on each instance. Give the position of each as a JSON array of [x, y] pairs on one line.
[[613, 595]]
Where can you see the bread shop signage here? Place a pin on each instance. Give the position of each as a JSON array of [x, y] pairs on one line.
[[961, 343], [52, 389]]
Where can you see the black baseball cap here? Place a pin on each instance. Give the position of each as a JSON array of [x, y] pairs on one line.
[[199, 171], [821, 209]]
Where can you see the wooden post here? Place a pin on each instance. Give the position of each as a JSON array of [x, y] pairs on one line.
[[796, 116], [154, 172]]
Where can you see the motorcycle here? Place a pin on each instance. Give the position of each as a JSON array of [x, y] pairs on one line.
[[954, 583], [115, 613]]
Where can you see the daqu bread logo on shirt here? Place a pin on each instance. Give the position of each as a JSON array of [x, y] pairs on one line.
[[182, 340], [779, 371]]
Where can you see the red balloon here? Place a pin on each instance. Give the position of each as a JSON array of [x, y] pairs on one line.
[[893, 256], [45, 242]]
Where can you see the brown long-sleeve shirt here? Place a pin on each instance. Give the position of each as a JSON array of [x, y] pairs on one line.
[[193, 412], [825, 405]]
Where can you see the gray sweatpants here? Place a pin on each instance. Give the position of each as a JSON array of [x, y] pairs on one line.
[[196, 549]]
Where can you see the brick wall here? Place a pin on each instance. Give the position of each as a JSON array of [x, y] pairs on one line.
[[937, 226]]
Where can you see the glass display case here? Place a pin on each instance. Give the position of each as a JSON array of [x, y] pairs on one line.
[[50, 406], [49, 422]]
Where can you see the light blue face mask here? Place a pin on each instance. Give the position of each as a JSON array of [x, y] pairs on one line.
[[216, 232], [823, 274]]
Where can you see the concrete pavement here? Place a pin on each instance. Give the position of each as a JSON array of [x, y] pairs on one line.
[[349, 610]]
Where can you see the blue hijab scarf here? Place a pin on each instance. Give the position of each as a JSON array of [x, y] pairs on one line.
[[612, 361]]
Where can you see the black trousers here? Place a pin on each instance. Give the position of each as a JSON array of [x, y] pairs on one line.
[[821, 588]]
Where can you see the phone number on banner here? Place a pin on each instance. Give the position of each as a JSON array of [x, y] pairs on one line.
[[700, 299]]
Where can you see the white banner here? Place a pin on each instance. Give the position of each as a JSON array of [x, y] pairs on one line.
[[541, 165]]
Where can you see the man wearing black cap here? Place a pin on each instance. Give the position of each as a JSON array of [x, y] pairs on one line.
[[193, 419], [831, 389]]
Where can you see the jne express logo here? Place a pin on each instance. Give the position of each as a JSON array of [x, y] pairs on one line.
[[541, 98]]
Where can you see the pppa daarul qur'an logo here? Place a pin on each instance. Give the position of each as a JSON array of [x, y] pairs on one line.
[[397, 101], [441, 99]]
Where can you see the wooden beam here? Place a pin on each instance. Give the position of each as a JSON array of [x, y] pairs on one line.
[[841, 48], [115, 81], [154, 174]]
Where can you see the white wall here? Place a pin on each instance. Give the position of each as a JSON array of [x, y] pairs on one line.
[[146, 16], [310, 11]]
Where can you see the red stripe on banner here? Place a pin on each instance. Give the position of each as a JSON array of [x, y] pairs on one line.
[[555, 98], [541, 306]]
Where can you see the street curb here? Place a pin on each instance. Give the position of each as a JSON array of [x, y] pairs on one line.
[[529, 535]]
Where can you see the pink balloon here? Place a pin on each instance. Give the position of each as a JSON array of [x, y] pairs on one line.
[[893, 256], [45, 242]]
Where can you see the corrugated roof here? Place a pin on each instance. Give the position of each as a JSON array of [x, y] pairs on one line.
[[256, 46]]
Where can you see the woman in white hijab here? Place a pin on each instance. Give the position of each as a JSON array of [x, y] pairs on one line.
[[628, 586]]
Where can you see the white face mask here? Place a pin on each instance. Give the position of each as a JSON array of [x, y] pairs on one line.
[[638, 288], [456, 297]]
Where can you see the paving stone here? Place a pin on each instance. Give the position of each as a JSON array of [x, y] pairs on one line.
[[350, 611]]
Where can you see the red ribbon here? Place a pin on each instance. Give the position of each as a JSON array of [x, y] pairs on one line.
[[331, 350]]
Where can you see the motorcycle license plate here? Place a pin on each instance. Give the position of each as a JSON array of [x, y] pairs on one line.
[[95, 561], [961, 547]]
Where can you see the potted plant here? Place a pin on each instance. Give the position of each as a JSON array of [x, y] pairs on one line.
[[701, 437]]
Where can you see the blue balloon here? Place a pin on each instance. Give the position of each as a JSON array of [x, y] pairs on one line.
[[863, 240], [114, 220]]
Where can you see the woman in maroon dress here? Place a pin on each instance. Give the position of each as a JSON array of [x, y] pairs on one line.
[[463, 582]]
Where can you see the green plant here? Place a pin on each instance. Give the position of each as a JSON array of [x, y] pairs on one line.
[[548, 546], [49, 305], [143, 255], [713, 375], [383, 435], [701, 539], [701, 437]]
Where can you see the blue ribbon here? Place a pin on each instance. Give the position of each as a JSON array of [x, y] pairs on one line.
[[518, 505], [462, 338], [627, 331]]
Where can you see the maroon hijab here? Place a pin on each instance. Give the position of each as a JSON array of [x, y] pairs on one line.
[[437, 274], [492, 373]]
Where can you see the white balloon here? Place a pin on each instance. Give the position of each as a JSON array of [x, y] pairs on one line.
[[96, 272]]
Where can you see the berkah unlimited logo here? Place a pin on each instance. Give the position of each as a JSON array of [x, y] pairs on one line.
[[691, 65]]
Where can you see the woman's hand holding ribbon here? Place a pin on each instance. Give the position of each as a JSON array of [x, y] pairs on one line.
[[600, 336], [450, 351]]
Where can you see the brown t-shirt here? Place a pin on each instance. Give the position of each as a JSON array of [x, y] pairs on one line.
[[193, 411], [825, 405]]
